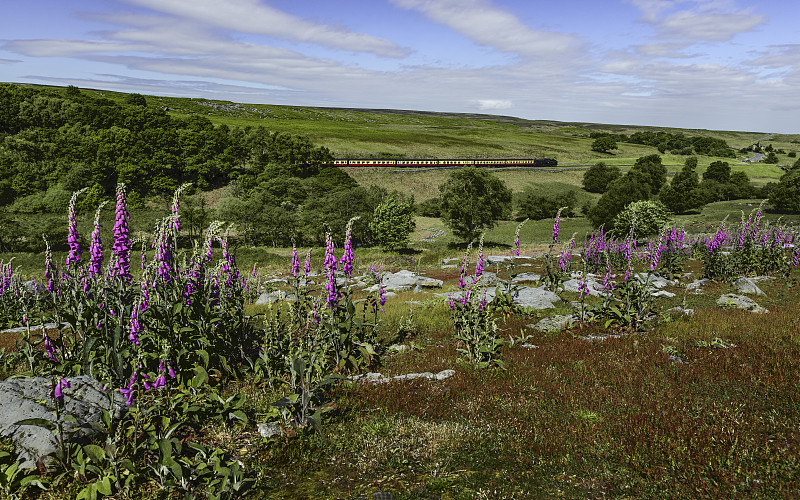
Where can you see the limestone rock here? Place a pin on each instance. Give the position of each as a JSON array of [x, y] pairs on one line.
[[536, 298], [269, 430], [555, 323], [274, 296], [523, 277], [22, 399], [747, 286], [697, 285], [741, 302]]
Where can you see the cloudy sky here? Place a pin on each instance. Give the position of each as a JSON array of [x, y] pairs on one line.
[[717, 64]]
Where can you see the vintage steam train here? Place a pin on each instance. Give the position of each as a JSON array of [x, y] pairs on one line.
[[417, 163]]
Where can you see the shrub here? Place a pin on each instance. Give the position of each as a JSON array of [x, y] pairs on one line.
[[538, 206], [645, 218], [393, 222]]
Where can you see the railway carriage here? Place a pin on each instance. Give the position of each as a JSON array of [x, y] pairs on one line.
[[453, 162]]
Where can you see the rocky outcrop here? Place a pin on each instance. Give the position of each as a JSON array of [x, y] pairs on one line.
[[32, 398]]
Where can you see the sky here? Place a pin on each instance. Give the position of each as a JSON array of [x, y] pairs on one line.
[[713, 64]]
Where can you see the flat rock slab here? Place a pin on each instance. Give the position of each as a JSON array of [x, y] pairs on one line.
[[405, 280], [379, 378], [459, 295], [697, 285], [504, 259], [593, 287], [741, 302], [274, 296], [47, 326], [526, 277], [486, 279], [654, 280], [22, 399], [747, 286], [536, 298], [555, 323]]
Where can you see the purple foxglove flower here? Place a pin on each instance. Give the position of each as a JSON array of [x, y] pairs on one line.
[[122, 241], [96, 246], [58, 393], [295, 262], [347, 258], [583, 287], [49, 349], [74, 255], [307, 264], [556, 224], [330, 270]]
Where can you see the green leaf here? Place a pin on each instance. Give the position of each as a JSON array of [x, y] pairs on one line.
[[96, 453], [104, 486], [38, 422], [204, 356]]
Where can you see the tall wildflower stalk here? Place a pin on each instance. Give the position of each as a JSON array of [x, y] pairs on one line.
[[74, 255], [122, 241], [96, 246]]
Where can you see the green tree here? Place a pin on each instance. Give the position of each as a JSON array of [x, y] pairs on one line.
[[654, 172], [771, 157], [718, 171], [393, 222], [604, 144], [785, 197], [631, 187], [683, 194], [472, 200], [599, 176]]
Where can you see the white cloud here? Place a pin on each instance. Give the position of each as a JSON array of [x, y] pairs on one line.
[[493, 27], [486, 104], [704, 20], [252, 16]]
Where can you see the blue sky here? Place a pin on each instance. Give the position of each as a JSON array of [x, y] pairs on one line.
[[717, 64]]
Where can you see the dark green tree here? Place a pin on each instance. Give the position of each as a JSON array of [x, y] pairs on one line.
[[599, 176], [653, 171], [631, 187], [472, 199], [683, 194], [604, 144], [718, 171], [785, 197]]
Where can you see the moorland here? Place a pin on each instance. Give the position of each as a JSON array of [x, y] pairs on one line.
[[235, 287]]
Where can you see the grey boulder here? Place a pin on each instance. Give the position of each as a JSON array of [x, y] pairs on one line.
[[741, 302], [536, 298], [31, 398]]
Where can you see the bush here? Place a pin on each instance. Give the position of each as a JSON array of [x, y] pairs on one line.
[[538, 206], [393, 222], [430, 208], [645, 217]]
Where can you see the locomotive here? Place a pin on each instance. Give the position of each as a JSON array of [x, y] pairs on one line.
[[416, 163]]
